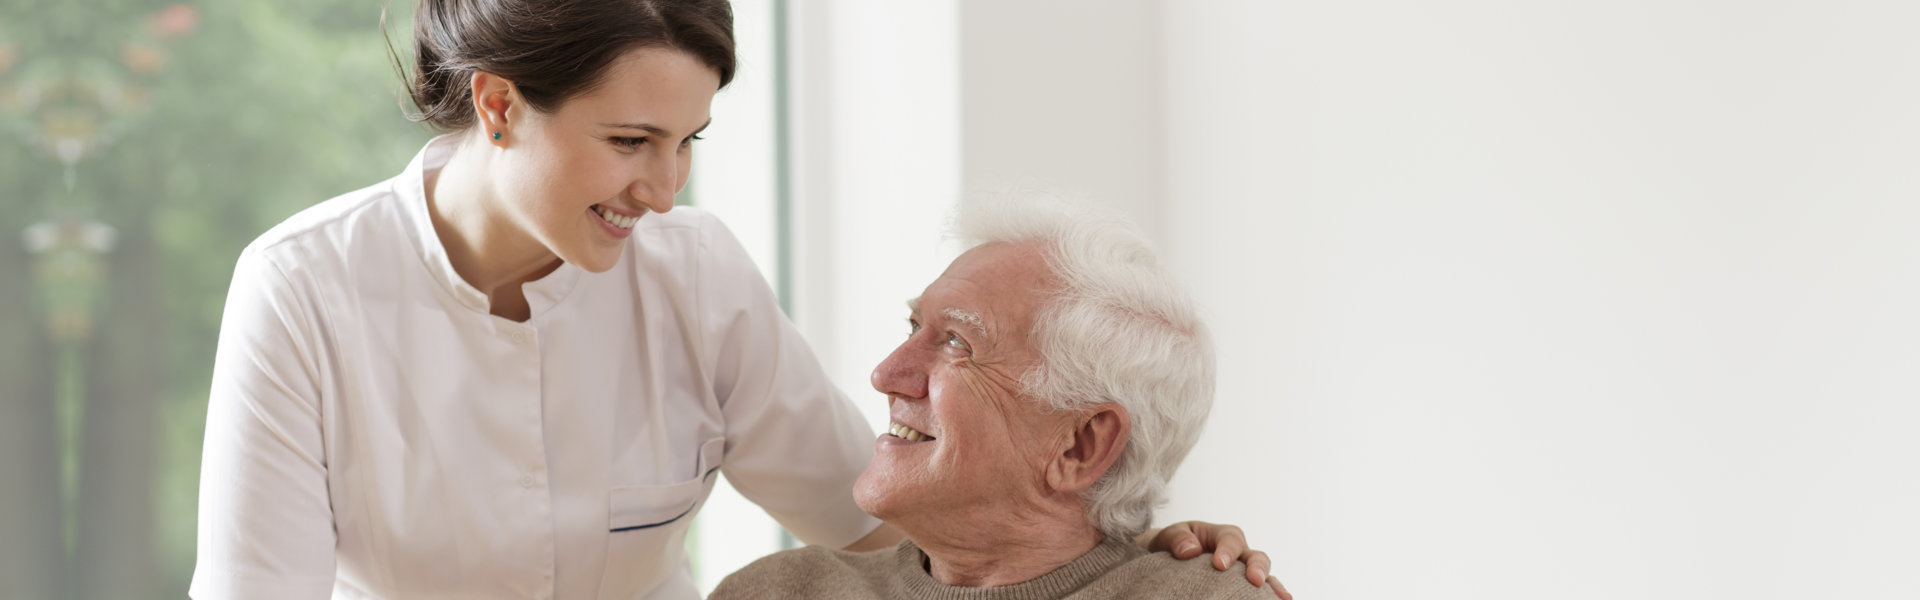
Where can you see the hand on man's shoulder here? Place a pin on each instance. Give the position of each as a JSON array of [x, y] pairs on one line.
[[1160, 575]]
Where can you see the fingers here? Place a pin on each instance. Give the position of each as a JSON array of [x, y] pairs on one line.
[[1228, 544], [1257, 567], [1188, 548], [1181, 541], [1279, 590]]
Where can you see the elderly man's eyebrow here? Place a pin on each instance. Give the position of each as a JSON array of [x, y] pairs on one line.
[[966, 316]]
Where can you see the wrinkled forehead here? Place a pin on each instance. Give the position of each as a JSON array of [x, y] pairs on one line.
[[969, 318], [994, 289]]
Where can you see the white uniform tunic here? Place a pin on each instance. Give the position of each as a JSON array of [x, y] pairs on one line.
[[374, 432]]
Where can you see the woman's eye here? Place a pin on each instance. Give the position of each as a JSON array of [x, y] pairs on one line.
[[627, 142], [688, 143], [953, 339]]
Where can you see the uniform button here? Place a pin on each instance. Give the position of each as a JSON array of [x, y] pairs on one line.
[[526, 481], [521, 337]]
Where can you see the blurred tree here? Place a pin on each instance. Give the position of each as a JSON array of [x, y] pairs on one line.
[[182, 130], [32, 544]]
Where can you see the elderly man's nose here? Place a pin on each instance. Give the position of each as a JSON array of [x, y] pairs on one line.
[[899, 375]]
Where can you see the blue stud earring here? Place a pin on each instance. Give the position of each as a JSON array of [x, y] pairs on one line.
[[496, 135]]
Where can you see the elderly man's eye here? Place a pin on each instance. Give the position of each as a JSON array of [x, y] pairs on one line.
[[913, 327], [953, 339]]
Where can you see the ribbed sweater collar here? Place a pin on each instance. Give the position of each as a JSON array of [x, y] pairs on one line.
[[910, 574]]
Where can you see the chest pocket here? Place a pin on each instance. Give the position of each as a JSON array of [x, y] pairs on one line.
[[647, 527]]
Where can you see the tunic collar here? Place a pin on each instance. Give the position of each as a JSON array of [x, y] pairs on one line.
[[542, 294]]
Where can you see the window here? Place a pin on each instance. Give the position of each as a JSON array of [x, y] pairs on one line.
[[141, 147]]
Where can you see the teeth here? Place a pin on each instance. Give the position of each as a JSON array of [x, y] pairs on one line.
[[617, 219], [907, 433]]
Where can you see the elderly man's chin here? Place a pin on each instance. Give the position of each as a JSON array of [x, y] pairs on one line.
[[900, 470], [879, 491]]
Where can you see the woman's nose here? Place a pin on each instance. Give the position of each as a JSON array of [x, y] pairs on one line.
[[655, 187]]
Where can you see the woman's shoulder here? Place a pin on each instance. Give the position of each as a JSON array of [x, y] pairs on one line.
[[338, 249], [690, 245], [359, 216], [691, 232], [682, 217]]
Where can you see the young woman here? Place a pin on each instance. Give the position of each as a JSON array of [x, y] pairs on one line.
[[510, 371]]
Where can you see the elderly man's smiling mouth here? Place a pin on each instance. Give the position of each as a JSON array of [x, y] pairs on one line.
[[902, 431]]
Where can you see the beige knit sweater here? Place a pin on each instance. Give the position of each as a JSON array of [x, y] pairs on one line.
[[1110, 570]]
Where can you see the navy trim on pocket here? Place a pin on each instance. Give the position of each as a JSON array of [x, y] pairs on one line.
[[682, 514], [653, 525]]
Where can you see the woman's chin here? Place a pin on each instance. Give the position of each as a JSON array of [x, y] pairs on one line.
[[598, 260]]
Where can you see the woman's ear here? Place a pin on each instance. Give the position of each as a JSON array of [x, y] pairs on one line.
[[1098, 438], [495, 100]]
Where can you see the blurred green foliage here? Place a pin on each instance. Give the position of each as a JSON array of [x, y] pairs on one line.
[[185, 129]]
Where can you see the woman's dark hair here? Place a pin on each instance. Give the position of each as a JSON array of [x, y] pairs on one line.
[[553, 50]]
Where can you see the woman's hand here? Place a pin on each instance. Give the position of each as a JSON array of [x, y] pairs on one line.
[[1188, 539]]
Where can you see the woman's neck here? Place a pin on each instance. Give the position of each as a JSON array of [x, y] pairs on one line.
[[487, 249]]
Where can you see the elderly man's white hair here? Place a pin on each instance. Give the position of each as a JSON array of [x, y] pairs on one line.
[[1119, 330]]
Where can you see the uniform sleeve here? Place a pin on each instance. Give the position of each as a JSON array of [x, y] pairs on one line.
[[266, 525], [795, 444]]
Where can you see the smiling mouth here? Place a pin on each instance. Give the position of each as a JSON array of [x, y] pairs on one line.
[[615, 219], [907, 433]]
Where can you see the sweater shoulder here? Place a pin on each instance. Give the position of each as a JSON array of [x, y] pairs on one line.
[[808, 572], [1160, 575]]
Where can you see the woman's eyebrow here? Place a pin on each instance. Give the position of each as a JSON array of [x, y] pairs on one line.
[[655, 129]]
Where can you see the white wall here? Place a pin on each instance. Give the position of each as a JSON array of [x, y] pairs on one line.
[[1513, 300], [876, 169], [1528, 300], [733, 174], [1064, 94]]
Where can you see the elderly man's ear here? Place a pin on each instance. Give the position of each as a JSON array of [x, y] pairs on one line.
[[1098, 439]]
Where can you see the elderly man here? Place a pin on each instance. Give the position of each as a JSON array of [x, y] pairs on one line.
[[1052, 380]]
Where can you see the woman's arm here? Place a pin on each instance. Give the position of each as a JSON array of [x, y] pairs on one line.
[[266, 524], [884, 536], [795, 445]]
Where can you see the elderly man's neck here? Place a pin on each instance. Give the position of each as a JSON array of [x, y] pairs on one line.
[[1013, 548]]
